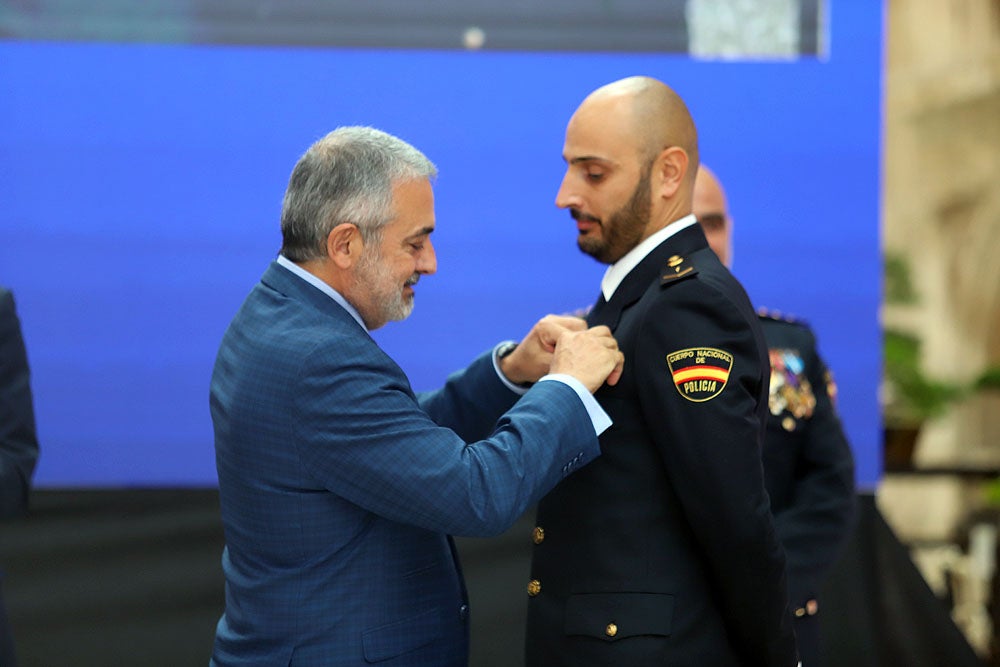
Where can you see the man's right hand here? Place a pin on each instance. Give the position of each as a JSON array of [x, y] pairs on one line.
[[591, 356]]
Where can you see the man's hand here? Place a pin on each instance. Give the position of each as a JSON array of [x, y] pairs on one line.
[[533, 355], [591, 356]]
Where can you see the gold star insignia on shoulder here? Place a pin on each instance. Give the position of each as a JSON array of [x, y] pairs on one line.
[[677, 267]]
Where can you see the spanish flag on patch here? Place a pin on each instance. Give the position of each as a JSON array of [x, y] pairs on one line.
[[700, 373]]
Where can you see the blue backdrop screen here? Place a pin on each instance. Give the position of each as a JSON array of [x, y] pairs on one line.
[[141, 186]]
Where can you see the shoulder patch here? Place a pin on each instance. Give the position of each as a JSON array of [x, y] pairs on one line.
[[700, 373], [677, 267]]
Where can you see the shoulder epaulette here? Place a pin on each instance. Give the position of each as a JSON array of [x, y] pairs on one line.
[[778, 316], [677, 267]]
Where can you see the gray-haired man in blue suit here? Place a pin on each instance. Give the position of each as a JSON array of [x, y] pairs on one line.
[[339, 486]]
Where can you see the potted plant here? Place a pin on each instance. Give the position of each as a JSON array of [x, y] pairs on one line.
[[909, 398]]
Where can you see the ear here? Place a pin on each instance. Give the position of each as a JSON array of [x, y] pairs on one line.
[[671, 166], [344, 245]]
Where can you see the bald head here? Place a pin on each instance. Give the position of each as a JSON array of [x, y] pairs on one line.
[[631, 152], [710, 207], [650, 113]]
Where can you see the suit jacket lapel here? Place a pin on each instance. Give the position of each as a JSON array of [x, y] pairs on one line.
[[596, 314]]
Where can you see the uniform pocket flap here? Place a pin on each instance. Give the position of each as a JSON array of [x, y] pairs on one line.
[[393, 639], [613, 616]]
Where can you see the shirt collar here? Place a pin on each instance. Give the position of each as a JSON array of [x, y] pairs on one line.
[[315, 281], [617, 272]]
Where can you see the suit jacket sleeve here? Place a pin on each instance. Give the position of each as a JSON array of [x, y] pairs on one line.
[[381, 451], [711, 451], [470, 401], [819, 518], [18, 443]]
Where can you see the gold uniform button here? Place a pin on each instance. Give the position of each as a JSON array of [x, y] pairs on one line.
[[788, 424], [534, 587], [800, 612], [538, 535], [611, 630]]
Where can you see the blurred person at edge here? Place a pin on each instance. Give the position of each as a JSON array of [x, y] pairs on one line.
[[18, 441], [808, 464]]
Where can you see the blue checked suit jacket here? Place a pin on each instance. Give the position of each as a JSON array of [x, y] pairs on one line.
[[339, 486]]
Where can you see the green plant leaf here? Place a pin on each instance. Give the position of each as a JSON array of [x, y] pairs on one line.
[[898, 285], [915, 397], [989, 380]]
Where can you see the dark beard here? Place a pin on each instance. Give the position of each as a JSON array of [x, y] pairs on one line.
[[623, 230]]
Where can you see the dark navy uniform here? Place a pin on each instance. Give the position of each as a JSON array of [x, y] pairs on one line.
[[808, 469], [663, 550]]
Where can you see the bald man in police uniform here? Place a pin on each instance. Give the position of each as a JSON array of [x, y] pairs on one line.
[[663, 551], [808, 465]]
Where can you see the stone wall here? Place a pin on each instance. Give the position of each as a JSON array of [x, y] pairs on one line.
[[942, 215]]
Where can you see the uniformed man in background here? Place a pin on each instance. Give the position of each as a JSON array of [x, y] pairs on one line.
[[808, 465]]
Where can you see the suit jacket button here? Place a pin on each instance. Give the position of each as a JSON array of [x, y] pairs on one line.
[[611, 630], [538, 535], [463, 611], [534, 587]]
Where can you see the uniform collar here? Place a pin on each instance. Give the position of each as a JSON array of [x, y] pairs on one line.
[[617, 272]]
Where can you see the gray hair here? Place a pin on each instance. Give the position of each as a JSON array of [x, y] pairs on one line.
[[347, 176]]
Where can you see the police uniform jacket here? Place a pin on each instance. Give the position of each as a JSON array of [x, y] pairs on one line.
[[663, 551]]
